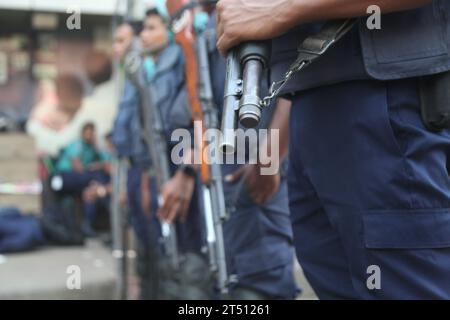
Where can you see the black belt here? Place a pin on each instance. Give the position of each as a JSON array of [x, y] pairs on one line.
[[310, 50]]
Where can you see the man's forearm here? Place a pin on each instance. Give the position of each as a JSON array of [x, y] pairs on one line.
[[244, 20], [302, 11]]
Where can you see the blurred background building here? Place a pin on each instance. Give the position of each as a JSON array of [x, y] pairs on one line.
[[38, 43], [35, 45]]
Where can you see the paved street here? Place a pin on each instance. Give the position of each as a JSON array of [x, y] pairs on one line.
[[43, 274]]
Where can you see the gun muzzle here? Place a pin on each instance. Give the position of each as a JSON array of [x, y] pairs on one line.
[[245, 67], [254, 57]]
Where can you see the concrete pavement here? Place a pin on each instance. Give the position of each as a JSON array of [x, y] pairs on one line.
[[43, 274]]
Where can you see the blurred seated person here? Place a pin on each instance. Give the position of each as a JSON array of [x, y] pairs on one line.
[[79, 164], [96, 196]]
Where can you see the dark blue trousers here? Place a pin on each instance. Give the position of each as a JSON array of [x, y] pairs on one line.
[[369, 188], [76, 182], [189, 233], [145, 226], [258, 241]]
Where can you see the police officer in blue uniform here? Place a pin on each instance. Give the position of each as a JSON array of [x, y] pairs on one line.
[[128, 138], [128, 143], [369, 190], [165, 68], [258, 234]]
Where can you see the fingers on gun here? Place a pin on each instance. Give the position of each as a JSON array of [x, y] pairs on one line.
[[236, 176], [174, 205]]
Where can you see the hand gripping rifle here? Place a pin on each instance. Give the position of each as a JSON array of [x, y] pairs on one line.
[[203, 110], [155, 139], [245, 67]]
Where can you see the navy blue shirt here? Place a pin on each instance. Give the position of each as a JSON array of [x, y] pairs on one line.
[[127, 132]]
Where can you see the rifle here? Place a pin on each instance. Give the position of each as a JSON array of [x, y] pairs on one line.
[[155, 139], [203, 110], [119, 227], [245, 68], [118, 214]]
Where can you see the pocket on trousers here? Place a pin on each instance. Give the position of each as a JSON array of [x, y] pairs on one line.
[[407, 229], [389, 132]]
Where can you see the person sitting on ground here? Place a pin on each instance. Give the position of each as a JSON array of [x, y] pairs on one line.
[[96, 196], [79, 164], [80, 154]]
